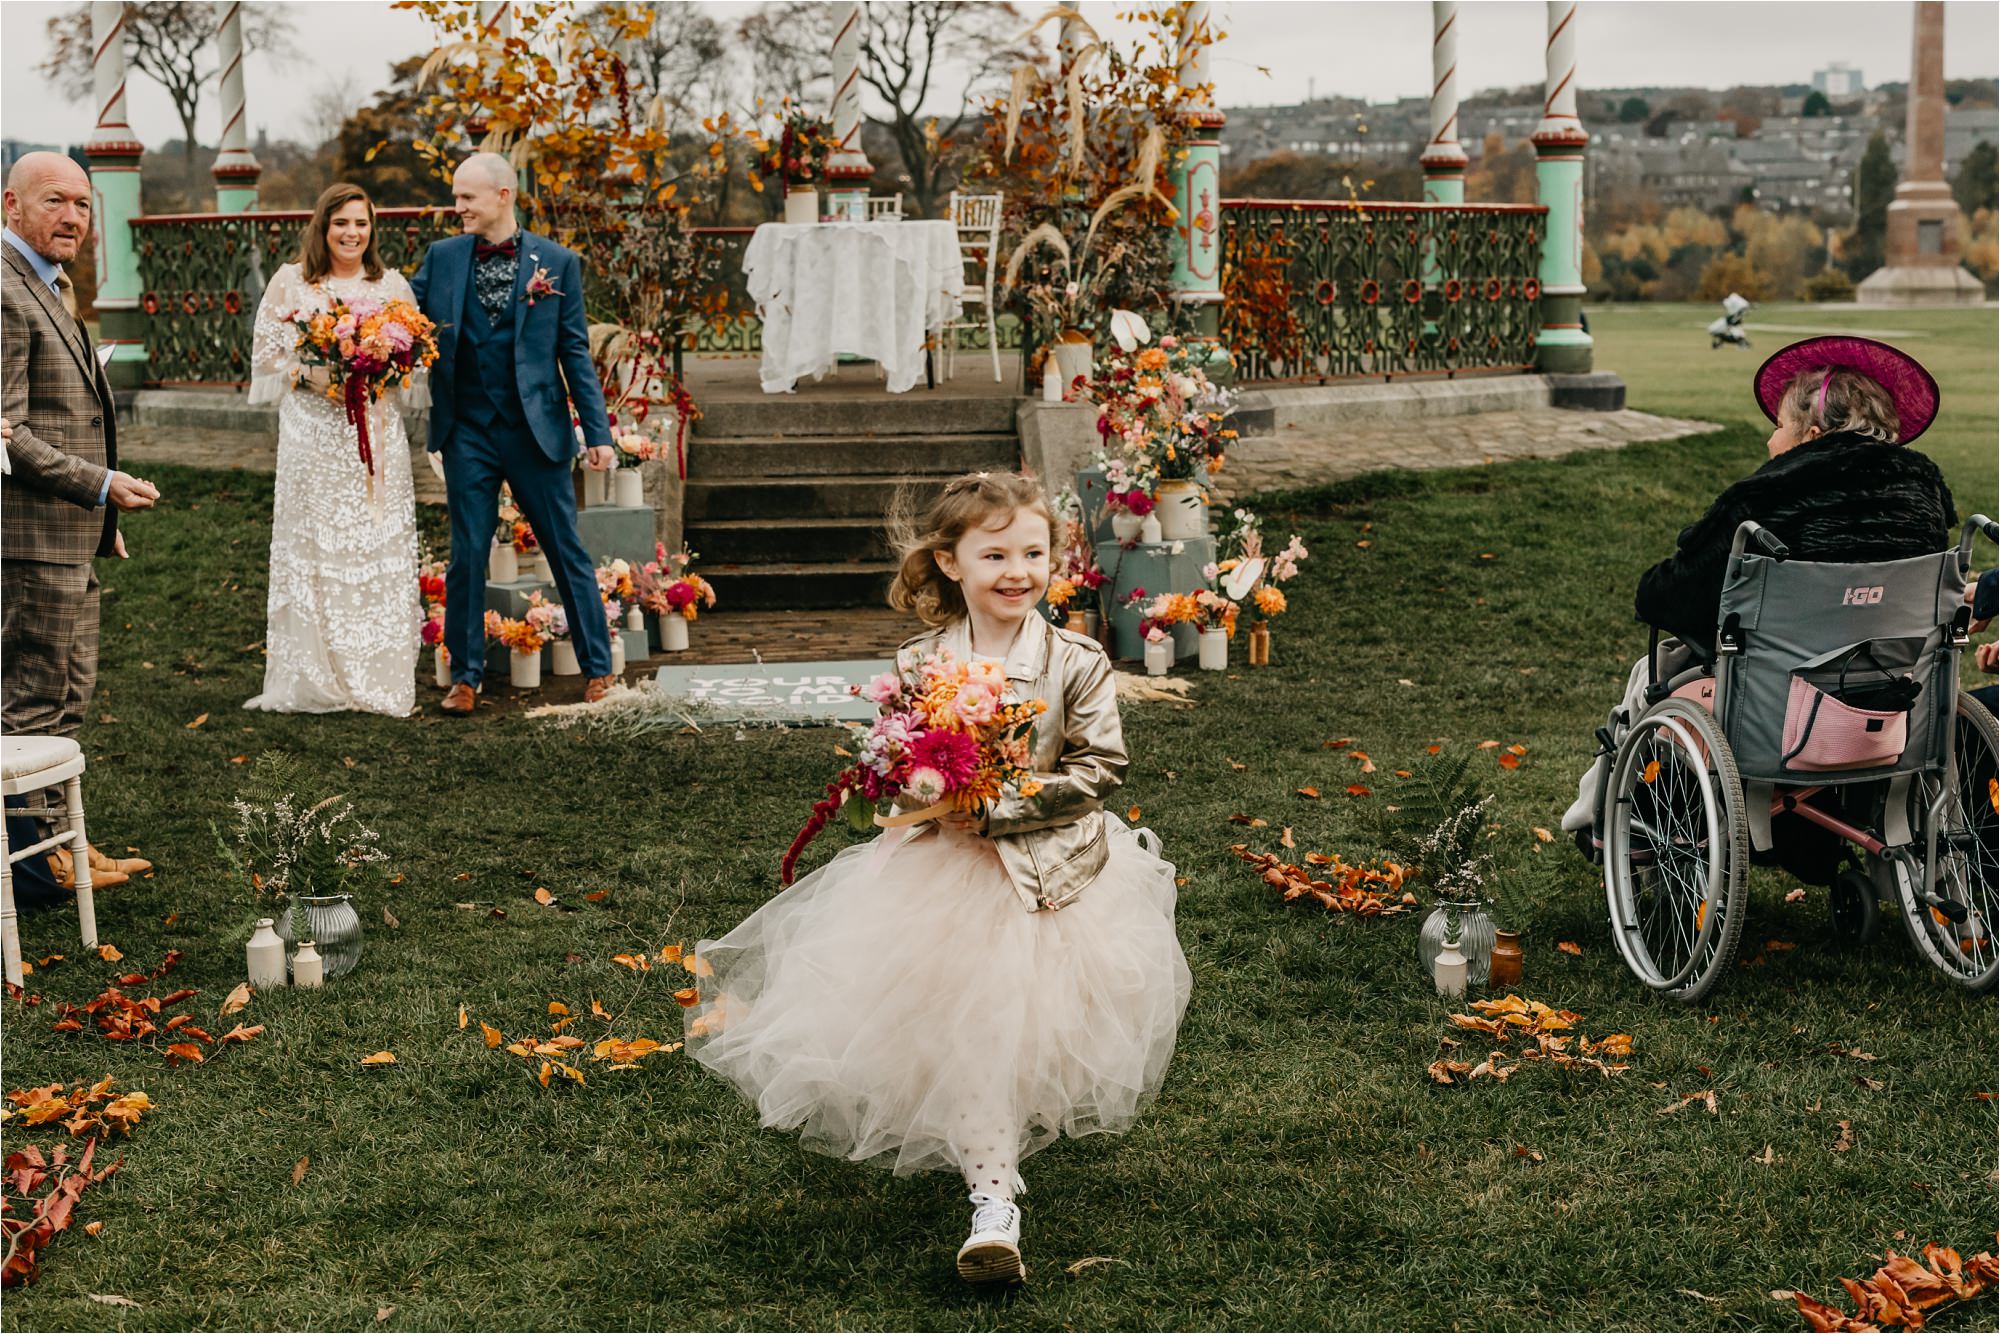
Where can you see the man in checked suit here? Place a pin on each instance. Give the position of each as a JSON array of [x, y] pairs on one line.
[[59, 506]]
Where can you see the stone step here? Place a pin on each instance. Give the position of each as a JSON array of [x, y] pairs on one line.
[[918, 412], [760, 542], [784, 499], [800, 586], [868, 453]]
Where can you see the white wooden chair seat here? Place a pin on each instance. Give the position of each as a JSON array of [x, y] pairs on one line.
[[30, 764]]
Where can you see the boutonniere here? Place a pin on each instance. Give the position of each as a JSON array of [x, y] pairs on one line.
[[541, 285]]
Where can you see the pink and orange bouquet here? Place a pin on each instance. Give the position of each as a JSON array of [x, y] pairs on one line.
[[1245, 570], [526, 635], [946, 741], [666, 587], [367, 348]]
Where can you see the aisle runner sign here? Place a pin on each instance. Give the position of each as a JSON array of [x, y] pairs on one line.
[[748, 692]]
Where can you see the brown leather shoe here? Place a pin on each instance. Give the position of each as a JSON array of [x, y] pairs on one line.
[[459, 699], [597, 688], [100, 863], [61, 867]]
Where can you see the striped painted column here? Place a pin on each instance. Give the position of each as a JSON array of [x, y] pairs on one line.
[[1197, 182], [114, 153], [236, 170], [849, 171], [1443, 160], [1559, 142]]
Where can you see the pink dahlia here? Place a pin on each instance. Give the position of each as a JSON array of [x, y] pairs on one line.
[[953, 754]]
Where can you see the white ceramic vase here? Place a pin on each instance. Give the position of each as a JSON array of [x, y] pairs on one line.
[[628, 488], [673, 633], [1072, 361], [524, 670], [264, 957], [441, 661], [595, 487], [543, 571], [308, 969], [801, 205], [1182, 512], [1125, 525], [562, 659], [1449, 971], [635, 618], [1150, 530], [1159, 656], [1214, 650], [505, 565], [617, 654], [1052, 385]]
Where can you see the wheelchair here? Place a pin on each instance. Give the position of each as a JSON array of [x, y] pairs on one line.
[[1831, 701]]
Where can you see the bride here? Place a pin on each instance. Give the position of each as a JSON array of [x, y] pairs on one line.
[[343, 620]]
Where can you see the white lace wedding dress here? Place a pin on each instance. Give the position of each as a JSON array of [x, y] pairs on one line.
[[343, 620]]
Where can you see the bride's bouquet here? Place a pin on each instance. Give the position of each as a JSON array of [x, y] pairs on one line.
[[367, 348], [946, 741]]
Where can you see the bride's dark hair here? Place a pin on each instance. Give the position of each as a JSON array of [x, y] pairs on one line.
[[315, 256]]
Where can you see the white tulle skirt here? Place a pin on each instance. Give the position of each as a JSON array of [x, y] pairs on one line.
[[900, 1004]]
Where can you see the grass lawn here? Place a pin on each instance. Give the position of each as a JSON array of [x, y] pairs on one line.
[[1299, 1170]]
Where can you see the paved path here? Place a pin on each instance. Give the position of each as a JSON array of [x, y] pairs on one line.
[[1299, 456]]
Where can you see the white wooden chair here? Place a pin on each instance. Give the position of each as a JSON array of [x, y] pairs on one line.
[[29, 764], [977, 218], [885, 208]]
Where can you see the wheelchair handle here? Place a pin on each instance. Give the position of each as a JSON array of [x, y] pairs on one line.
[[1977, 525], [1750, 530]]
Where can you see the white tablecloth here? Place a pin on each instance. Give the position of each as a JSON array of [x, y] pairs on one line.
[[867, 289]]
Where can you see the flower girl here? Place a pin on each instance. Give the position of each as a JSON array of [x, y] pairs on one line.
[[963, 989]]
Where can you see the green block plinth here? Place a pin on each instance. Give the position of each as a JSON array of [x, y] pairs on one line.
[[1157, 567], [511, 599], [617, 532]]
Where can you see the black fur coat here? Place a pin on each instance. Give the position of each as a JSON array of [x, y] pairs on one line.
[[1841, 497]]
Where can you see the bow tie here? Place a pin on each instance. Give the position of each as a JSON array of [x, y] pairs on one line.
[[487, 250]]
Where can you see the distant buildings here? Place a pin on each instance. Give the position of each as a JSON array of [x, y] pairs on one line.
[[1838, 80]]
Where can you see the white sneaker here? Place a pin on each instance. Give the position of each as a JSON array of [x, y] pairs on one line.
[[992, 1254]]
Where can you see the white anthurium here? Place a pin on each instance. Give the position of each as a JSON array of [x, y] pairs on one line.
[[1243, 578], [1129, 331]]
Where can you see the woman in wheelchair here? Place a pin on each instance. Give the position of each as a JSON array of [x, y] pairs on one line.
[[1665, 806]]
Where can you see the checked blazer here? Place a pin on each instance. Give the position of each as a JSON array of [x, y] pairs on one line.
[[65, 427]]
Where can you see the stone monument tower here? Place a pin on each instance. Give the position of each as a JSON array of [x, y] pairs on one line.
[[1921, 246]]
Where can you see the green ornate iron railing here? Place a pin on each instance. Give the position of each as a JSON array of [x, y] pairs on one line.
[[1319, 290], [203, 273]]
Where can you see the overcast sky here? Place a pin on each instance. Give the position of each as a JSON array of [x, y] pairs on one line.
[[1276, 51]]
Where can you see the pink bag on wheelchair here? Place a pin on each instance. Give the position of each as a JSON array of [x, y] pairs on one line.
[[1847, 711]]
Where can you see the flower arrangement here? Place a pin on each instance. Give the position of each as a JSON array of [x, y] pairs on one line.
[[550, 619], [801, 150], [291, 838], [1248, 573], [1159, 412], [946, 740], [523, 538], [1077, 570], [667, 587], [526, 635], [636, 447], [615, 582], [366, 347]]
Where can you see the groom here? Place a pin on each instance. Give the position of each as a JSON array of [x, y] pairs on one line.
[[509, 310]]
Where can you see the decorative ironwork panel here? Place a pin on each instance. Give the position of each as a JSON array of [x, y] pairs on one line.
[[1327, 290], [203, 274]]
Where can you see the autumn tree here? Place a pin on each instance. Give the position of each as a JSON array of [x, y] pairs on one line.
[[929, 63], [375, 146], [169, 43]]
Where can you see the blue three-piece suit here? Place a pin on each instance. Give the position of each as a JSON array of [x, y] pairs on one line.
[[500, 412]]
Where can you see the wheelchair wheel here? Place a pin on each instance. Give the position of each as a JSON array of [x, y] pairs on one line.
[[1676, 846], [1958, 938], [1851, 900]]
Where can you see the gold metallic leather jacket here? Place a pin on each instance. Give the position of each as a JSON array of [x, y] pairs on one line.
[[1053, 844]]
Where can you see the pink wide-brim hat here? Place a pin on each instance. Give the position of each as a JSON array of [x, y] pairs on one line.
[[1911, 387]]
